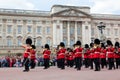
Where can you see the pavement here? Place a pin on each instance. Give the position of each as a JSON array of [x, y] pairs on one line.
[[53, 73]]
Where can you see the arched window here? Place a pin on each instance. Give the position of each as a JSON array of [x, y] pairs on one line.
[[39, 41], [19, 41], [48, 41], [9, 41]]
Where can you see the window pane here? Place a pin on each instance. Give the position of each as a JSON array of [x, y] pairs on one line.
[[48, 41], [29, 29], [9, 27], [19, 29], [48, 30], [38, 42], [19, 42], [78, 30], [9, 42], [65, 41], [39, 29]]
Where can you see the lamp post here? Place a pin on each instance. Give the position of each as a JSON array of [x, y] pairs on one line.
[[101, 27]]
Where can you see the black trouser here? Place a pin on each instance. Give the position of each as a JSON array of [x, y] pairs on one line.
[[46, 63], [86, 62], [91, 63], [78, 63], [71, 63], [117, 62], [58, 63], [62, 63], [111, 63], [32, 63], [26, 63], [97, 64], [103, 62]]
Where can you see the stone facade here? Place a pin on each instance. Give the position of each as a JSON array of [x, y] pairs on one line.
[[62, 23]]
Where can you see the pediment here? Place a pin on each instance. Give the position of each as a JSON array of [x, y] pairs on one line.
[[71, 13]]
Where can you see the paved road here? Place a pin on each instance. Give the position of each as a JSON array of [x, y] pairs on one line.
[[54, 73]]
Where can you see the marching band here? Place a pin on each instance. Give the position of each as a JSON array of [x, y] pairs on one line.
[[95, 56]]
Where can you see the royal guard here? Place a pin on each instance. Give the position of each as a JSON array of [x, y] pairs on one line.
[[26, 54], [61, 55], [110, 54], [33, 57], [70, 58], [78, 55], [46, 56], [96, 54], [86, 55], [117, 54], [91, 55], [103, 56]]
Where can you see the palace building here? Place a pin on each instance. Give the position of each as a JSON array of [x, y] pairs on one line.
[[61, 24]]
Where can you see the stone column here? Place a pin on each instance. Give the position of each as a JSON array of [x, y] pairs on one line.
[[54, 34], [76, 31], [68, 26], [61, 31]]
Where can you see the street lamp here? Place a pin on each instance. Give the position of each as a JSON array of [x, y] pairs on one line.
[[101, 27]]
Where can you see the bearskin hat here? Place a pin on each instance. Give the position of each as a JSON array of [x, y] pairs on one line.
[[91, 44], [62, 44], [102, 45], [33, 46], [78, 43], [109, 42], [86, 46], [28, 41], [47, 46], [117, 44], [97, 41]]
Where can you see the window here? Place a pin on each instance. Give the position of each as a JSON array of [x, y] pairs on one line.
[[39, 42], [48, 30], [108, 32], [116, 32], [65, 41], [39, 29], [72, 41], [9, 42], [19, 41], [92, 31], [19, 29], [71, 30], [29, 29], [48, 41], [78, 30], [9, 29]]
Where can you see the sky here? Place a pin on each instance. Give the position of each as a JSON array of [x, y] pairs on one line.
[[97, 6]]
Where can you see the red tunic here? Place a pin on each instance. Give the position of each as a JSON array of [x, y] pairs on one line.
[[26, 53], [103, 53], [117, 55], [110, 52], [96, 53], [33, 52], [91, 54], [46, 54], [87, 53], [78, 52], [61, 53], [71, 56]]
